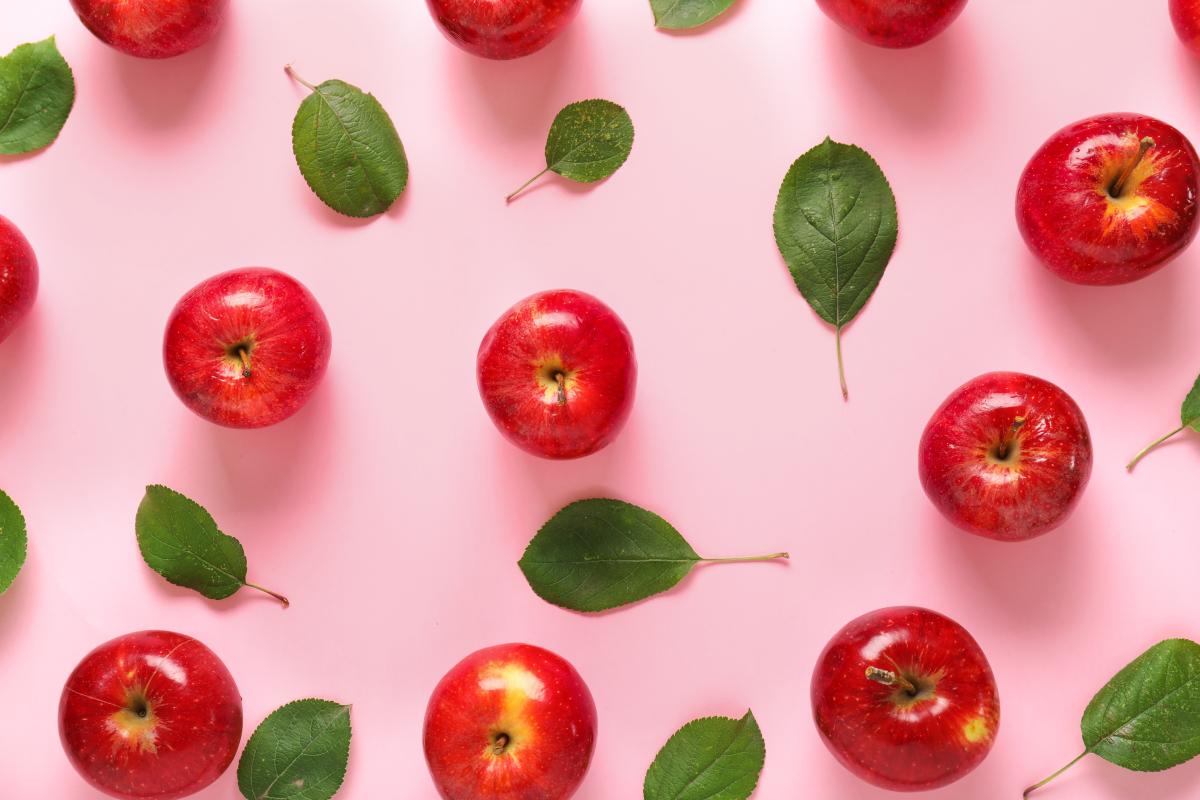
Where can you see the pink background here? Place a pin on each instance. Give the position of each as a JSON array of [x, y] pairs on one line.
[[391, 511]]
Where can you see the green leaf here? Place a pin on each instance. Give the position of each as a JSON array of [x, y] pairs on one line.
[[348, 149], [180, 541], [715, 758], [12, 541], [835, 225], [37, 92], [299, 752], [588, 141], [598, 554], [680, 15], [1189, 417]]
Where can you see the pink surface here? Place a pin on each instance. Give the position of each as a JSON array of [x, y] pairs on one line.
[[390, 510]]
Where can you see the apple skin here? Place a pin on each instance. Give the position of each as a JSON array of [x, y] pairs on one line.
[[151, 715], [269, 315], [893, 23], [549, 333], [18, 277], [1081, 232], [511, 722], [887, 735], [502, 29], [1185, 15], [1006, 456], [152, 28]]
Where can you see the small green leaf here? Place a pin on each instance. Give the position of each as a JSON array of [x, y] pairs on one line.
[[12, 541], [598, 554], [180, 541], [715, 758], [299, 752], [835, 225], [348, 149], [588, 141], [37, 92], [677, 15], [1189, 417]]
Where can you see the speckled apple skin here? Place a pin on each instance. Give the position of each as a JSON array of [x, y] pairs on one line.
[[591, 344], [1076, 230], [502, 29], [929, 743], [531, 695], [291, 347], [893, 23], [18, 277], [190, 735], [152, 28], [1185, 15], [1052, 452]]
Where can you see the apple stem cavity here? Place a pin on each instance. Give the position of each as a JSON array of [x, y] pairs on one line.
[[282, 600], [500, 744], [561, 379], [746, 559], [1118, 186], [1002, 450], [296, 77], [888, 678], [1146, 450], [243, 354], [525, 185], [837, 337], [1042, 783]]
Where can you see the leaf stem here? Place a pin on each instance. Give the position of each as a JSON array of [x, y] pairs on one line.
[[525, 185], [1042, 783], [745, 559], [283, 600], [296, 77], [1145, 450], [841, 365]]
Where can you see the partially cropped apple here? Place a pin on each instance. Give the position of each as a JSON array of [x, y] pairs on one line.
[[512, 722], [557, 374], [893, 23], [152, 28], [18, 277], [905, 699], [1109, 199], [1006, 456], [247, 348], [151, 715], [1185, 15], [502, 29]]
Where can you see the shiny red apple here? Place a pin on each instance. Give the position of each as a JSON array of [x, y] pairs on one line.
[[1109, 199], [557, 374], [18, 277], [152, 28], [905, 699], [1185, 15], [502, 29], [893, 23], [247, 348], [151, 715], [512, 722], [1006, 456]]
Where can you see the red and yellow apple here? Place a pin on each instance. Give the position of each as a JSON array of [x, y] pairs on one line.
[[18, 277], [502, 29], [893, 23], [152, 28]]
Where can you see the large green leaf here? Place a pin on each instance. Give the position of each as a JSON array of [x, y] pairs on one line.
[[684, 14], [37, 92], [299, 752], [715, 758], [12, 541]]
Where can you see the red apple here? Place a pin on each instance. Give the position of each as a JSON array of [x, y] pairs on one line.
[[152, 28], [502, 29], [18, 277], [246, 348], [1006, 456], [557, 374], [1185, 14], [1109, 199], [512, 722], [905, 699], [893, 23], [151, 715]]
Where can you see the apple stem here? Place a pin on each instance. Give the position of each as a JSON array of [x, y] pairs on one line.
[[746, 559], [837, 336], [244, 356], [1042, 783], [294, 76], [276, 595], [1145, 450], [1002, 450], [525, 185], [888, 678], [500, 745], [1118, 185], [562, 388]]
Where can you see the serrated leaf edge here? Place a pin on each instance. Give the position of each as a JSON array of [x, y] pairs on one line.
[[24, 555], [53, 40]]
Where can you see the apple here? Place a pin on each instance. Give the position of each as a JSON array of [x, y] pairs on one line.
[[1185, 15], [557, 374], [512, 722], [18, 277], [151, 715], [246, 348], [1109, 199], [905, 699], [893, 23], [502, 29], [1006, 456], [152, 28]]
